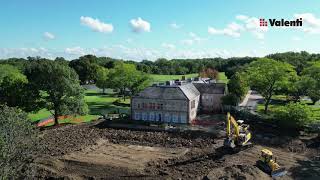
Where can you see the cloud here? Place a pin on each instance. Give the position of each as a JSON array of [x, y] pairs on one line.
[[126, 53], [48, 36], [252, 24], [175, 26], [96, 24], [244, 24], [311, 24], [168, 46], [140, 25], [193, 38], [241, 17], [233, 29], [187, 42], [75, 51]]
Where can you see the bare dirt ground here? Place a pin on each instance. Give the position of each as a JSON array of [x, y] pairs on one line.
[[89, 151]]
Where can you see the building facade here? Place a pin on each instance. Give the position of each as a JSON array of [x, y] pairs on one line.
[[169, 103], [211, 94]]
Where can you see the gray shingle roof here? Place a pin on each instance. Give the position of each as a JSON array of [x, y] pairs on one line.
[[211, 88], [190, 90], [183, 92]]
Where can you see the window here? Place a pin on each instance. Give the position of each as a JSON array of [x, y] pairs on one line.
[[152, 117], [137, 116], [161, 106], [138, 105], [193, 104]]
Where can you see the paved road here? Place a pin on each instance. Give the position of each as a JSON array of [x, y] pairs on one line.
[[251, 101]]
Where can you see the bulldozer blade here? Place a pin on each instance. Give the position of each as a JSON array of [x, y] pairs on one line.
[[279, 172]]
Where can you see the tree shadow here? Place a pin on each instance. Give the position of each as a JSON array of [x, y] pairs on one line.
[[99, 94], [98, 108]]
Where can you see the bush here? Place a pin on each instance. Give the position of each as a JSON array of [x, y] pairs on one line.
[[230, 99], [17, 143], [293, 115]]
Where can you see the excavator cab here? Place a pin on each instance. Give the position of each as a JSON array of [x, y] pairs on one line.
[[238, 134], [270, 166]]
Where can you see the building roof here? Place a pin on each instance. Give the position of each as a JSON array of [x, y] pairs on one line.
[[211, 88], [183, 92]]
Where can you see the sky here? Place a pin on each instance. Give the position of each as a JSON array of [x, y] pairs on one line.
[[145, 29]]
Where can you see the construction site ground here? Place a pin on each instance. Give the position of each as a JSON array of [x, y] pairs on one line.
[[92, 151]]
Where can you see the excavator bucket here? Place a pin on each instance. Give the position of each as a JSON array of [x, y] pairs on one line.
[[279, 172]]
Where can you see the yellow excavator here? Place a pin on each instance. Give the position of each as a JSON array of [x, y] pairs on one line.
[[238, 134], [270, 165]]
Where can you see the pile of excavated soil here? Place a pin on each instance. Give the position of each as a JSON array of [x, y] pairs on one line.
[[87, 151], [237, 172], [66, 139]]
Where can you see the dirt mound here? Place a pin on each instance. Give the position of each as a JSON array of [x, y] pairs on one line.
[[87, 151], [237, 172], [66, 139]]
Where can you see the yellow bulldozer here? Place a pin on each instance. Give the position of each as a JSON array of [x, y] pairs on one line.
[[270, 165], [237, 134]]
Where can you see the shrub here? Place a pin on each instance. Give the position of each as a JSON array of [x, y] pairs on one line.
[[17, 143], [230, 99], [293, 115]]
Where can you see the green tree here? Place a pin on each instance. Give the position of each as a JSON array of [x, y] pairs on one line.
[[238, 85], [268, 76], [12, 86], [230, 99], [17, 143], [293, 115], [86, 68], [311, 76], [102, 78], [58, 86], [127, 78]]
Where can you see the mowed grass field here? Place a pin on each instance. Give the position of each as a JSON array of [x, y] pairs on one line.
[[162, 78], [280, 100], [99, 103]]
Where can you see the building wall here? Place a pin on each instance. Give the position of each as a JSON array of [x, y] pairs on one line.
[[158, 110], [193, 108], [211, 102]]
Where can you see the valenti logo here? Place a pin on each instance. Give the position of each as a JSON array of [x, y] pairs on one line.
[[281, 22]]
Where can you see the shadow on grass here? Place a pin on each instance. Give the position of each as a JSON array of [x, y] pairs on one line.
[[99, 94], [103, 108]]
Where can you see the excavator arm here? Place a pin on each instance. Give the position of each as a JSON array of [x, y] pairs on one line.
[[233, 122]]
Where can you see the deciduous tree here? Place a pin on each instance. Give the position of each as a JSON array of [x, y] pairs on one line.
[[103, 80], [267, 76], [311, 75], [58, 86]]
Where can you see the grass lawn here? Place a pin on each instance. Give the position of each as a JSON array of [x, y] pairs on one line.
[[163, 78], [280, 100], [223, 78], [98, 104]]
